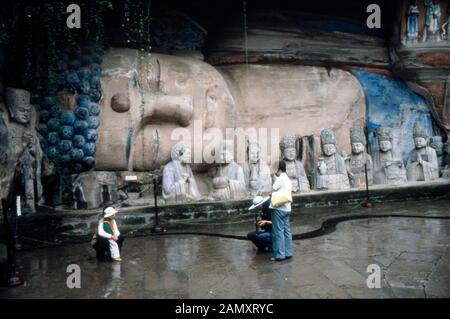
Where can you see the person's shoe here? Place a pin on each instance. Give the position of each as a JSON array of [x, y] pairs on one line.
[[117, 260], [276, 259], [288, 257]]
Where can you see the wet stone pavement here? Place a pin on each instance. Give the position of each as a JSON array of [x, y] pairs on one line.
[[413, 254]]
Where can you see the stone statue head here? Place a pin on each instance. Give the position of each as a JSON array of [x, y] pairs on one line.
[[420, 136], [328, 142], [18, 103], [253, 152], [437, 144], [384, 139], [358, 139], [287, 147], [182, 153], [227, 154]]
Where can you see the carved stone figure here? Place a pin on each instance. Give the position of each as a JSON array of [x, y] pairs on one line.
[[446, 170], [331, 172], [387, 169], [437, 144], [257, 173], [359, 159], [422, 162], [93, 189], [432, 21], [412, 23], [294, 167], [179, 184], [19, 129], [228, 177]]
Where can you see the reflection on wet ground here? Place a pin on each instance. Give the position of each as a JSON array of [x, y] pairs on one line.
[[414, 256]]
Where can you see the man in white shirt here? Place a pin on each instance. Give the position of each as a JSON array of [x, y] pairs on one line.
[[281, 230]]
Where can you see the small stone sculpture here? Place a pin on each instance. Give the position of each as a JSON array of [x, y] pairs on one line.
[[331, 172], [422, 162], [432, 21], [359, 159], [294, 167], [387, 169], [257, 173], [412, 24], [437, 144], [228, 177], [446, 170], [179, 184]]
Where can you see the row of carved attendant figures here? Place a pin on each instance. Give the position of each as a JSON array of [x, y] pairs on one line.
[[331, 171], [434, 28]]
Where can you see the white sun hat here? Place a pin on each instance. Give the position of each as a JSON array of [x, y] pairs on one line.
[[258, 201], [109, 211]]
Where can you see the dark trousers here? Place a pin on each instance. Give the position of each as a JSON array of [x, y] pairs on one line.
[[261, 239], [102, 250]]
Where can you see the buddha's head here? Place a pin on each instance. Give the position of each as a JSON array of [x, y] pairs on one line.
[[253, 152], [384, 139], [18, 103], [420, 136], [181, 153], [287, 147], [358, 140], [328, 142]]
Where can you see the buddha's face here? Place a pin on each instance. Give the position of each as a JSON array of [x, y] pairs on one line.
[[253, 154], [357, 148], [185, 158], [420, 142], [289, 154], [21, 113], [329, 149], [385, 146]]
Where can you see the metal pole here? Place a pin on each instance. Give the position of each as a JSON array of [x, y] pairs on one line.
[[12, 278], [156, 226]]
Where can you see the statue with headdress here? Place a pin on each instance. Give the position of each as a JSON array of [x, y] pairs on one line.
[[432, 21], [412, 22], [331, 172], [359, 160], [228, 180], [178, 183], [257, 173], [294, 166], [446, 169], [387, 168], [24, 150], [422, 162]]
